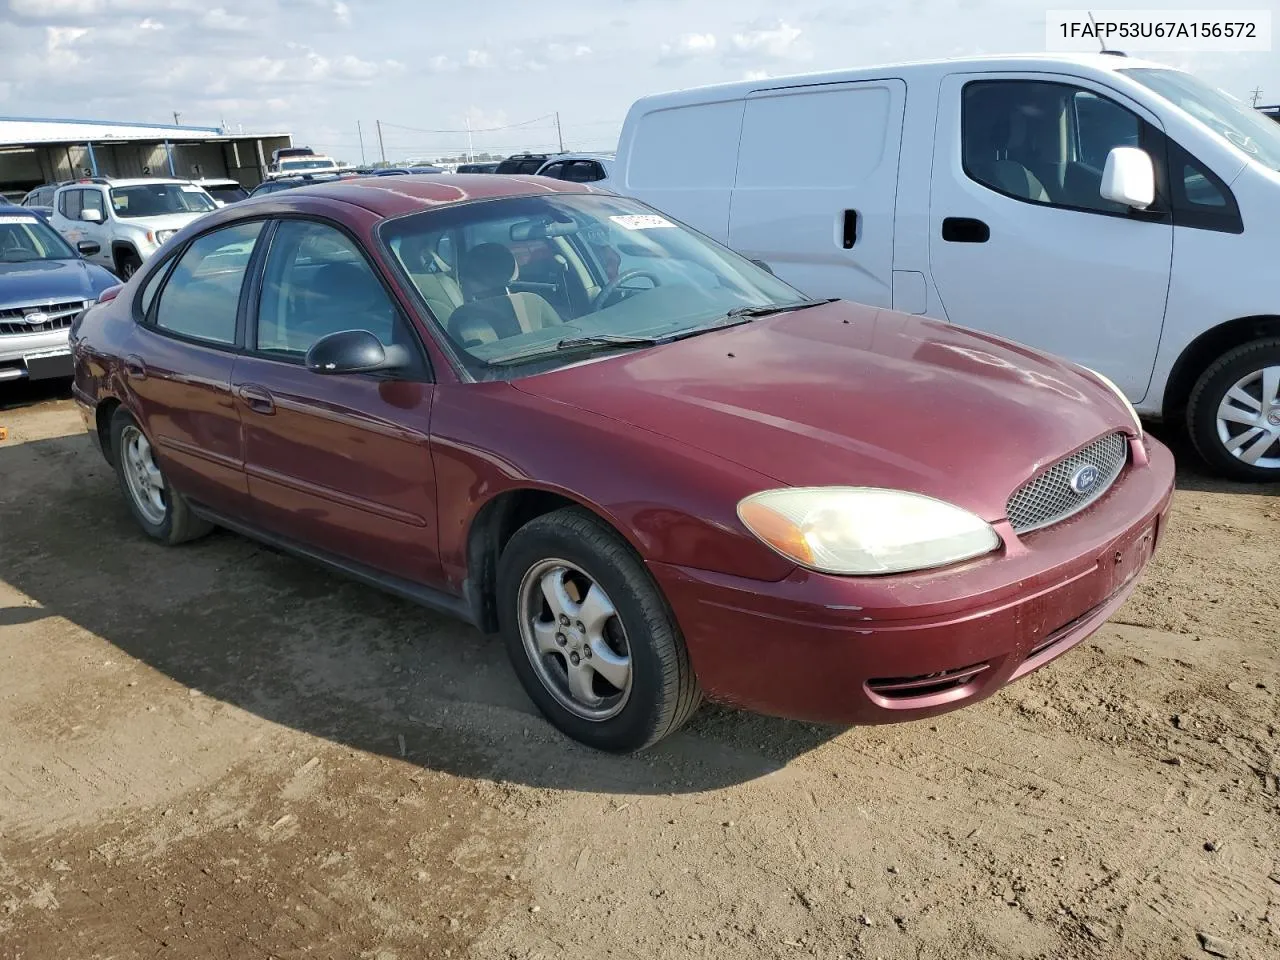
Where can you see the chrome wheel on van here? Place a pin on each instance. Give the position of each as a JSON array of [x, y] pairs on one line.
[[145, 481], [575, 640], [1249, 418], [1233, 413]]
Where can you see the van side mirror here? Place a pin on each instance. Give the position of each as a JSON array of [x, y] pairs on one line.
[[1129, 178], [354, 351], [89, 215], [88, 248]]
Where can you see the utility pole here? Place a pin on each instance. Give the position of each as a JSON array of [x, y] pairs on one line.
[[559, 136], [1256, 94], [177, 119], [471, 153], [360, 135], [381, 149]]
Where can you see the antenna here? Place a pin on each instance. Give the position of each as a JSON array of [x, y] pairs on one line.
[[1256, 94], [1102, 43]]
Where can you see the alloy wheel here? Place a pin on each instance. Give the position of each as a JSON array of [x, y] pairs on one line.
[[144, 479], [1249, 418], [575, 640]]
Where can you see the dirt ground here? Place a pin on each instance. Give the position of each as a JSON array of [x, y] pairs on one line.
[[216, 751]]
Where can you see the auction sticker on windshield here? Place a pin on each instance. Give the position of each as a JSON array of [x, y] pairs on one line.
[[20, 218], [640, 221]]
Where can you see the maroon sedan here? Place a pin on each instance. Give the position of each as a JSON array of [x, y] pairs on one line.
[[659, 471]]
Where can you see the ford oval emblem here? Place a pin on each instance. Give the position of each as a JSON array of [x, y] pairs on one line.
[[1085, 479], [36, 319]]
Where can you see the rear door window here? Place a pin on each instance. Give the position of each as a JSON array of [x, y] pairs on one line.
[[201, 298], [69, 204]]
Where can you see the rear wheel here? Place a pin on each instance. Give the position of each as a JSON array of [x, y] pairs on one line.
[[590, 635], [1234, 412], [161, 511]]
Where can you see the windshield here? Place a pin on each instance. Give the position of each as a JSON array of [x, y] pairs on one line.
[[515, 277], [158, 199], [24, 237], [1233, 121], [306, 165], [228, 194]]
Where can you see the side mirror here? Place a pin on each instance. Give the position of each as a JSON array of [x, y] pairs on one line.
[[91, 216], [1129, 178], [88, 248], [764, 266], [354, 351]]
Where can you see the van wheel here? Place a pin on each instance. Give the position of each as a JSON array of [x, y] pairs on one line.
[[1234, 413], [590, 635], [161, 511]]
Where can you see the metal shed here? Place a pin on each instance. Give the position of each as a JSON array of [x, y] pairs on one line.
[[36, 150]]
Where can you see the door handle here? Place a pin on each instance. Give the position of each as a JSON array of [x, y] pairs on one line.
[[135, 368], [965, 230], [256, 398], [849, 234]]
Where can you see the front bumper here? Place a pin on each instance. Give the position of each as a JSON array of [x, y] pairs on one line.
[[884, 649], [34, 355]]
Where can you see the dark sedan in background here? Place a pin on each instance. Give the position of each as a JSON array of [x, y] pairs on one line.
[[658, 470], [43, 285]]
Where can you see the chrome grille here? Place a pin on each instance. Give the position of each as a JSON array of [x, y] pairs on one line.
[[1049, 496], [58, 316]]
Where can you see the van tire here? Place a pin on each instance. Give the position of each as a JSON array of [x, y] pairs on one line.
[[1233, 367]]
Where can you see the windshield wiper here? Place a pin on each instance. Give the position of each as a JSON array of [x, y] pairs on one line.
[[580, 343], [769, 309], [606, 340]]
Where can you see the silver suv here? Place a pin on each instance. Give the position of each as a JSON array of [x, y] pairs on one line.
[[127, 219]]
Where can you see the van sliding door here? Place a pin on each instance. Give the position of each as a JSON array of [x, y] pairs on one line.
[[816, 184]]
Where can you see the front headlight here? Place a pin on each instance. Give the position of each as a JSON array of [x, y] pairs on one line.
[[163, 235], [1137, 424], [865, 530]]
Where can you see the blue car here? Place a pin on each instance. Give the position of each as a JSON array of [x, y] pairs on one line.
[[44, 284]]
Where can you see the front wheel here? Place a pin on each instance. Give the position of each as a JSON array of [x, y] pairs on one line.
[[590, 635], [1234, 412], [129, 264]]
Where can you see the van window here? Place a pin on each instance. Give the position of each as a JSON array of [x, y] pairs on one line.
[[846, 128], [693, 147], [1044, 142], [1199, 197]]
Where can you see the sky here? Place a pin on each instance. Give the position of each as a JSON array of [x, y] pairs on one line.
[[317, 68]]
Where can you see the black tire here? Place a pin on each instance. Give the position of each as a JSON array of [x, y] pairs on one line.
[[1208, 394], [664, 691], [127, 264], [179, 524]]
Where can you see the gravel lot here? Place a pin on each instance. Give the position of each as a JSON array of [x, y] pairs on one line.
[[218, 751]]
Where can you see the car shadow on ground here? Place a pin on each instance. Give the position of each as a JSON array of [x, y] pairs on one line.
[[298, 646]]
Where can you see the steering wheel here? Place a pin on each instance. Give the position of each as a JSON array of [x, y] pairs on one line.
[[611, 288]]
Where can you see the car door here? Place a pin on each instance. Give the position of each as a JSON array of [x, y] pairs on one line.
[[336, 463], [96, 231], [183, 350], [1021, 243]]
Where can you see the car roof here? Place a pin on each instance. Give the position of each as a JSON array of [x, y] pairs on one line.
[[393, 196], [120, 182]]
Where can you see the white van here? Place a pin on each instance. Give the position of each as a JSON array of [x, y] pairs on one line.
[[1117, 212]]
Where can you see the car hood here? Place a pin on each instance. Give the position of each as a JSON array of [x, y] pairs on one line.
[[165, 221], [850, 395], [41, 281]]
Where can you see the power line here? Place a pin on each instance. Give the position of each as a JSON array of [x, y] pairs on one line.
[[505, 126]]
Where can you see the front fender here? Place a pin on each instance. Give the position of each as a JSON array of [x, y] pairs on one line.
[[672, 502]]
